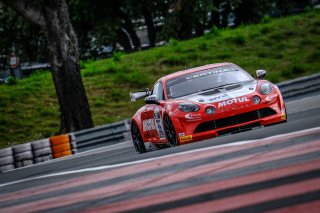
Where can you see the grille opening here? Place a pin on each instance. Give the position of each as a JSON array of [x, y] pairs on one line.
[[265, 112], [239, 129], [234, 120]]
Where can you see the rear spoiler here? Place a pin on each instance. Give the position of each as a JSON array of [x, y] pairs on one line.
[[140, 94]]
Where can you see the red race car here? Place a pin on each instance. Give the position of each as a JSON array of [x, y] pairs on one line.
[[205, 102]]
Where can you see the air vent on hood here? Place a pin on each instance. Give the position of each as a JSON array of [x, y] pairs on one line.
[[232, 87], [212, 92]]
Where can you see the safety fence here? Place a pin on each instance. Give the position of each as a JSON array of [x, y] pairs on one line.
[[103, 135], [300, 86]]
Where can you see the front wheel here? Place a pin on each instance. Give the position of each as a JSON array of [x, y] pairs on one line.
[[137, 139], [170, 131]]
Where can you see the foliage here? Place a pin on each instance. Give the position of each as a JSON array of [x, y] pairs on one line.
[[11, 80], [117, 56], [111, 24]]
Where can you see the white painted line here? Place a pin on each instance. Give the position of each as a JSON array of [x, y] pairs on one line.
[[316, 129]]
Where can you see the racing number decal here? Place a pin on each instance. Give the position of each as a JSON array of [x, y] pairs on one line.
[[158, 121]]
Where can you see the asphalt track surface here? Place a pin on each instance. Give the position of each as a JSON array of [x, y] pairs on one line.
[[274, 168]]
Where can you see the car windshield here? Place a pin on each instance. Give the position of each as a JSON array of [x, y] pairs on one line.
[[205, 80]]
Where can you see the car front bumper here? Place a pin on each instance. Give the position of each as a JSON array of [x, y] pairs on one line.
[[197, 126]]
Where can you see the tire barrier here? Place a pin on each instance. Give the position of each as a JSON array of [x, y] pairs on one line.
[[60, 146], [22, 155], [103, 135], [37, 152], [6, 159], [41, 150]]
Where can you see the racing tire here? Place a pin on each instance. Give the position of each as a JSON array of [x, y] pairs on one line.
[[137, 139], [23, 163], [21, 148], [23, 156], [61, 148], [59, 139], [6, 160], [42, 159], [6, 168], [40, 144], [170, 132], [42, 152], [6, 152], [62, 154]]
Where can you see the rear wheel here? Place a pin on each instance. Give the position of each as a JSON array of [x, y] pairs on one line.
[[170, 131], [137, 139]]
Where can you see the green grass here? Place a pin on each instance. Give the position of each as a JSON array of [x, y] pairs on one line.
[[287, 48]]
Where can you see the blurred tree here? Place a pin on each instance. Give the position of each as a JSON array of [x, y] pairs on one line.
[[101, 23], [215, 14], [187, 18], [251, 11], [20, 36], [148, 11], [287, 7], [52, 17]]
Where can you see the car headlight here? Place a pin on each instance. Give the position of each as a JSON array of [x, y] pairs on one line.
[[265, 89], [187, 107]]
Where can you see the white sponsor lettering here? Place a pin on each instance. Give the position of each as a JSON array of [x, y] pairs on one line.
[[148, 125], [232, 101], [208, 73]]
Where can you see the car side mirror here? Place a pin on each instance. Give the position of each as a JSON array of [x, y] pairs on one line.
[[152, 99], [261, 73]]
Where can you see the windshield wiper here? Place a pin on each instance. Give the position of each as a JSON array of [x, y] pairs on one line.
[[225, 85]]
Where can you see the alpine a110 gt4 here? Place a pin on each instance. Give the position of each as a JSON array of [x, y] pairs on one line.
[[205, 102]]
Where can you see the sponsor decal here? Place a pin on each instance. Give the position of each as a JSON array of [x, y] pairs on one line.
[[271, 98], [232, 101], [181, 134], [193, 116], [158, 120], [218, 97], [148, 125], [208, 73], [187, 138]]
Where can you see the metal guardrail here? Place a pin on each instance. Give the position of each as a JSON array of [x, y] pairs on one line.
[[300, 86], [103, 135]]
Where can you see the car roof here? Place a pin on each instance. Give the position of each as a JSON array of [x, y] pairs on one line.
[[192, 70]]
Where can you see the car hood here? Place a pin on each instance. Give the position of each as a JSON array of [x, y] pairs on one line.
[[226, 93]]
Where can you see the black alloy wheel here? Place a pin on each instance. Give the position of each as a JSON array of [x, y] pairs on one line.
[[170, 132], [137, 139]]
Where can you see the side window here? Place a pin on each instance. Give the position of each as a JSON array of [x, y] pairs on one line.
[[158, 91]]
